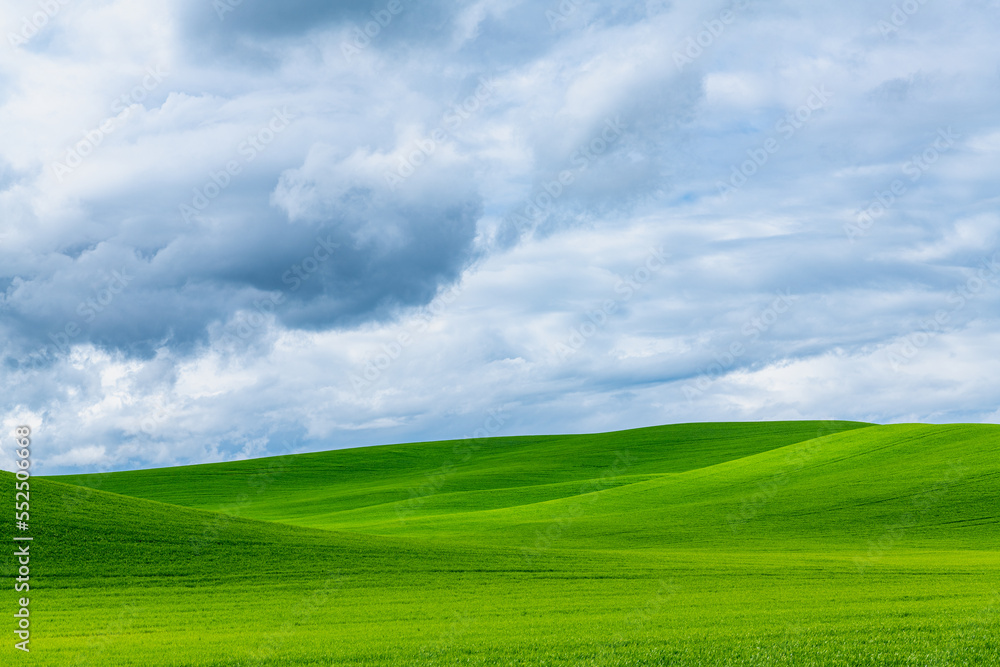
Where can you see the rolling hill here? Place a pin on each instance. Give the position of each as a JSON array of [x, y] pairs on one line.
[[784, 543]]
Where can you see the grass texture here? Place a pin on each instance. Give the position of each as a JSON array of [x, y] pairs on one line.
[[768, 543]]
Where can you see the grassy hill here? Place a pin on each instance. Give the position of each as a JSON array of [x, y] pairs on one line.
[[407, 480], [788, 543]]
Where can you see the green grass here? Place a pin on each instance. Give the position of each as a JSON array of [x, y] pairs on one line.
[[786, 543], [380, 482]]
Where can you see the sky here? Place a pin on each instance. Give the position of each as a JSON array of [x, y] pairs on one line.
[[232, 229]]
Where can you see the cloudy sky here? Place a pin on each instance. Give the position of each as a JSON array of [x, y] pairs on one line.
[[233, 229]]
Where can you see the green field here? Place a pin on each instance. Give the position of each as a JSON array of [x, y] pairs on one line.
[[766, 543]]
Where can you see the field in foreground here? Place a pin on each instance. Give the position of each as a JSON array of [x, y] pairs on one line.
[[785, 543]]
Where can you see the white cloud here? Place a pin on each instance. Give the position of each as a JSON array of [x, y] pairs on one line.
[[162, 373]]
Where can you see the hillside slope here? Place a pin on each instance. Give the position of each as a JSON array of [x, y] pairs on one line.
[[760, 544], [415, 479], [691, 486], [918, 485]]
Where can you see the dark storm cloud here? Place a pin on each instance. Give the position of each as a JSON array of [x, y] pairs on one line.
[[253, 28], [353, 263]]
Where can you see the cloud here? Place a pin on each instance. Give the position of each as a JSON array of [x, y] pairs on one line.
[[384, 249], [240, 229]]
